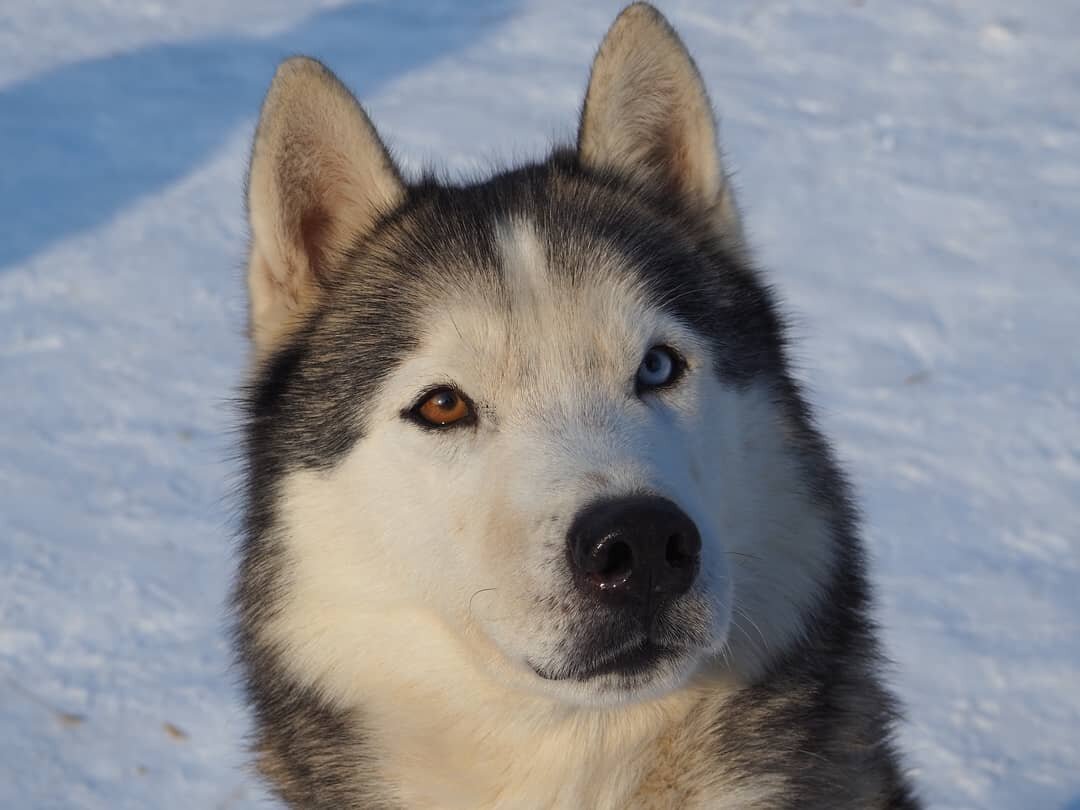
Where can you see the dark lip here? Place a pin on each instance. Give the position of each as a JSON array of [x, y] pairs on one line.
[[637, 660]]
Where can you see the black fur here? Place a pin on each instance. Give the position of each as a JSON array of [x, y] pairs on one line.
[[302, 407]]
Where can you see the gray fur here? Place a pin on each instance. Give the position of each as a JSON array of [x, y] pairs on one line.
[[812, 728]]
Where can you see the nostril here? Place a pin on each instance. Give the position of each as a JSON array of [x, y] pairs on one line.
[[682, 551], [610, 563]]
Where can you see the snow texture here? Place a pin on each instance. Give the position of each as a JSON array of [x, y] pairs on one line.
[[910, 173]]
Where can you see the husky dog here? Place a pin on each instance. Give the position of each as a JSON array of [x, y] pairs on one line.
[[535, 514]]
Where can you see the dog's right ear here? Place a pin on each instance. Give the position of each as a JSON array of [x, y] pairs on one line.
[[319, 179]]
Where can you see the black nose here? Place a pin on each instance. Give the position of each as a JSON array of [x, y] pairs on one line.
[[641, 549]]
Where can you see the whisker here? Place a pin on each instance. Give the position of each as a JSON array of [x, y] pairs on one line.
[[745, 615], [471, 598]]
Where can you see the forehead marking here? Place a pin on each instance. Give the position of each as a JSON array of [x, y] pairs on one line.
[[524, 260]]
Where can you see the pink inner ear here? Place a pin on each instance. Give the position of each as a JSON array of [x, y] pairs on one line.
[[315, 228]]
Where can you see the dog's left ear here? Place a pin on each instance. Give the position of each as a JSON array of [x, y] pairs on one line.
[[647, 115]]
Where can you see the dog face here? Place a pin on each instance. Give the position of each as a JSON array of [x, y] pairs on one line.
[[530, 424], [535, 470]]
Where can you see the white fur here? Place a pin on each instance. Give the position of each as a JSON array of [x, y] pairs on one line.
[[421, 566], [426, 573]]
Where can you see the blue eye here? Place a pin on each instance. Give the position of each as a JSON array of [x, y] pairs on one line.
[[658, 368]]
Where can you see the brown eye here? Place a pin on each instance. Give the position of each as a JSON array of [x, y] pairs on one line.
[[443, 408]]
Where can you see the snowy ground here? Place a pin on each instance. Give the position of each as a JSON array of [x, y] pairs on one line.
[[910, 173]]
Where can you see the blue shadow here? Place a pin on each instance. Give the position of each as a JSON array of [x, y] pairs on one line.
[[81, 142]]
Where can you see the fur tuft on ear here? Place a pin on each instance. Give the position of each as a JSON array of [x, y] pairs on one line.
[[319, 179], [647, 115]]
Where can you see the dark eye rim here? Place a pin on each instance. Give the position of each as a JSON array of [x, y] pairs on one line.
[[678, 369], [412, 413]]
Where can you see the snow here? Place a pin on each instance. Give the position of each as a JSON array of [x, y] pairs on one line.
[[910, 174]]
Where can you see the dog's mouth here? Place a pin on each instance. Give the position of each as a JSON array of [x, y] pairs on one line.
[[640, 659]]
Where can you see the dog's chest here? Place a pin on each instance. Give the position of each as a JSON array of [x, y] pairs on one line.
[[619, 790], [562, 774]]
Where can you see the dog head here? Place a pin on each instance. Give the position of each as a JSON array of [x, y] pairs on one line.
[[538, 421]]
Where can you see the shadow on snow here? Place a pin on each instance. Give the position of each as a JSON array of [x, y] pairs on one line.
[[81, 142]]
